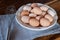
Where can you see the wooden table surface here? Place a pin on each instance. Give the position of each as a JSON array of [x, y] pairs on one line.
[[6, 3]]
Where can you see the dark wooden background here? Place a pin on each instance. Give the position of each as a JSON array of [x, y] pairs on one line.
[[4, 4]]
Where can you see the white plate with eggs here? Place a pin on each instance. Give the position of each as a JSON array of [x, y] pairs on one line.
[[36, 16]]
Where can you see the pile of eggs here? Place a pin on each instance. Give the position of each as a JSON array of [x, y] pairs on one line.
[[36, 15]]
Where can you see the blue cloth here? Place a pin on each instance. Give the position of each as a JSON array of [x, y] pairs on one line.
[[20, 33]]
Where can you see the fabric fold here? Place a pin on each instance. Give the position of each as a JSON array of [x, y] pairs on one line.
[[20, 33]]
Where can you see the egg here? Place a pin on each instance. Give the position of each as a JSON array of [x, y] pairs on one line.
[[32, 15], [33, 22], [43, 13], [44, 22], [24, 13], [37, 11], [28, 8], [38, 17], [49, 17], [25, 19], [34, 5], [52, 13], [43, 8]]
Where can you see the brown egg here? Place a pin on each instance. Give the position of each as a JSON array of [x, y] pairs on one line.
[[34, 22], [24, 13], [25, 19], [44, 22], [43, 8], [49, 17], [34, 5], [32, 15], [28, 8], [43, 13], [51, 13], [38, 17], [36, 10]]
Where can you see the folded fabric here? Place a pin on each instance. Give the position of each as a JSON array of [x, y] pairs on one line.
[[19, 33]]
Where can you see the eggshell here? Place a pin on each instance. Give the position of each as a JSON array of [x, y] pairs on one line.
[[43, 8], [43, 13], [27, 8], [25, 19], [38, 17], [49, 17], [51, 13], [24, 13], [34, 5], [36, 10], [33, 22], [44, 22], [32, 15]]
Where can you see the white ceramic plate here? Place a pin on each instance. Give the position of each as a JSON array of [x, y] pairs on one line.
[[35, 29]]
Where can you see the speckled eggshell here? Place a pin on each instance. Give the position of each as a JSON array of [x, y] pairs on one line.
[[51, 13], [28, 8], [38, 17], [32, 15], [44, 22], [43, 13], [25, 19], [33, 22], [37, 11], [49, 17], [34, 5], [43, 8], [24, 13]]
